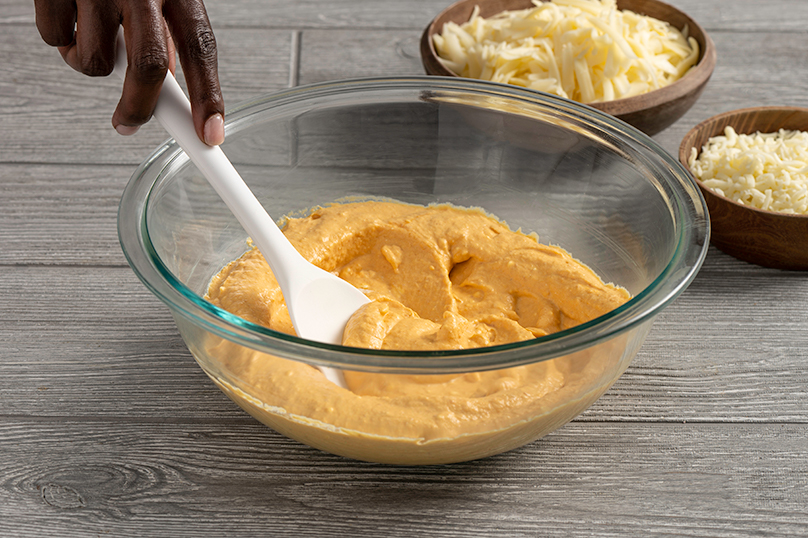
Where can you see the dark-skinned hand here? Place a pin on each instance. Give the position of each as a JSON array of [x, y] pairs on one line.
[[85, 31]]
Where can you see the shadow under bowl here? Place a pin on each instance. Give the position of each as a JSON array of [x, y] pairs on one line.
[[651, 112]]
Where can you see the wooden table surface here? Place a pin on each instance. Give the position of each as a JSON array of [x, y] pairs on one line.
[[109, 428]]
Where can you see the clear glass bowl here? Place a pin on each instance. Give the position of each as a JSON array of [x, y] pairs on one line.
[[580, 179]]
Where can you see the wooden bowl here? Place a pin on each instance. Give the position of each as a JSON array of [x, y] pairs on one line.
[[766, 238], [651, 112]]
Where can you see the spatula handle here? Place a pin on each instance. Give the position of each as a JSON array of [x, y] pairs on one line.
[[173, 111]]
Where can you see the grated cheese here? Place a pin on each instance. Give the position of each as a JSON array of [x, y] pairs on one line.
[[585, 50], [764, 170]]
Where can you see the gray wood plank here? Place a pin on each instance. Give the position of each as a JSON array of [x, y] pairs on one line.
[[95, 356], [745, 15], [55, 214], [60, 214], [753, 69], [72, 478], [336, 54], [285, 14], [54, 114], [94, 334], [738, 15]]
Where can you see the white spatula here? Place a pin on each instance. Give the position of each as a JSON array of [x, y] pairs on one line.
[[319, 302]]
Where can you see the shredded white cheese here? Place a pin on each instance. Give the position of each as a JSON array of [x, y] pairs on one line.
[[585, 50], [764, 170]]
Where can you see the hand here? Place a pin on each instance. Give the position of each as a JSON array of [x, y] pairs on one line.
[[84, 31]]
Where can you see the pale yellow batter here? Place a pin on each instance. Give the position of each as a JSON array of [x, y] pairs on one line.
[[439, 278]]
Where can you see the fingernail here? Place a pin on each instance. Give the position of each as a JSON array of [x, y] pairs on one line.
[[214, 130], [127, 130]]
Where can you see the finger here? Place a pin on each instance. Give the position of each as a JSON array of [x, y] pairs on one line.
[[147, 63], [93, 50], [172, 51], [55, 20], [196, 46]]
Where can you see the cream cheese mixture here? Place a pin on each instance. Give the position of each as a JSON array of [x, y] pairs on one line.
[[439, 278]]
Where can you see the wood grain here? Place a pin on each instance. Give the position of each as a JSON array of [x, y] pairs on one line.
[[35, 116], [60, 214], [336, 54], [739, 16], [239, 480], [115, 339], [777, 77], [40, 118]]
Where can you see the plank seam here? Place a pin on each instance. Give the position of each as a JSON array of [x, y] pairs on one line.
[[294, 59]]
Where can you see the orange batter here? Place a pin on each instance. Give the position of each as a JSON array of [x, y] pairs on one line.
[[439, 277]]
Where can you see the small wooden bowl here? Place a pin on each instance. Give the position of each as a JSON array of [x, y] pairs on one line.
[[651, 112], [766, 238]]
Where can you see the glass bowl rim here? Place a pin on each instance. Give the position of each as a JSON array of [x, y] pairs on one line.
[[681, 269]]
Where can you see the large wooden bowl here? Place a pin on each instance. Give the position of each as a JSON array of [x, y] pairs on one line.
[[651, 112], [761, 237]]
